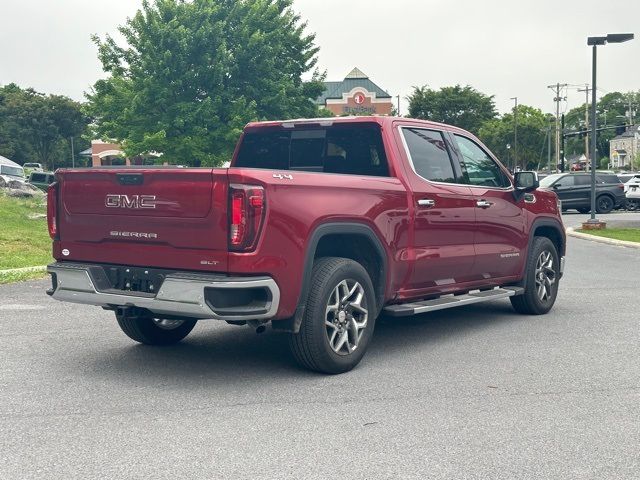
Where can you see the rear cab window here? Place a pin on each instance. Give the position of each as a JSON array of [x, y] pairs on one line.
[[355, 149]]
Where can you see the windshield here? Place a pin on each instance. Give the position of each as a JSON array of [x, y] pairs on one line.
[[12, 171], [551, 179]]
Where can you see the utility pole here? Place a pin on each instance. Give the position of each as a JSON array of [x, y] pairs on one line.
[[73, 156], [398, 112], [515, 135], [556, 88], [586, 89], [562, 166], [549, 146]]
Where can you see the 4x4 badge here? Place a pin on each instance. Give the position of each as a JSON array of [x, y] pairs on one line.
[[281, 176]]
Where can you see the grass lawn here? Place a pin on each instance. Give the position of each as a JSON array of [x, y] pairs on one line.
[[24, 241], [628, 234]]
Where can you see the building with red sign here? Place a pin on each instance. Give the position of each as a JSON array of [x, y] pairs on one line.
[[355, 95]]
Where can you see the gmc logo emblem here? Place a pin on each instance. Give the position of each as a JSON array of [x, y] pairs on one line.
[[130, 201]]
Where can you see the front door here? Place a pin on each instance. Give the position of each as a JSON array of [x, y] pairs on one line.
[[500, 240], [444, 218]]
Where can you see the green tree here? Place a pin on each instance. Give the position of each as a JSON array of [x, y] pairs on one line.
[[611, 109], [463, 107], [36, 127], [193, 73], [532, 136]]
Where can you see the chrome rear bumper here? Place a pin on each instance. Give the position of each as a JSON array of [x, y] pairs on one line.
[[182, 294]]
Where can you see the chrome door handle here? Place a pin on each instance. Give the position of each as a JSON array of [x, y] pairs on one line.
[[426, 202], [483, 204]]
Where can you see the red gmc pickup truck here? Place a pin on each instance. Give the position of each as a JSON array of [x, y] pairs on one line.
[[317, 227]]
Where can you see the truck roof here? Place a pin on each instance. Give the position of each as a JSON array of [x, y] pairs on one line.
[[327, 121]]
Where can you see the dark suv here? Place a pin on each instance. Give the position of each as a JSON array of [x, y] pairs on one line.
[[574, 190]]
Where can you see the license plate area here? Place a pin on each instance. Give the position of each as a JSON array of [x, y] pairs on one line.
[[134, 279]]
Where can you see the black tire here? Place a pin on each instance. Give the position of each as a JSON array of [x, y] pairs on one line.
[[531, 303], [604, 204], [150, 331], [632, 205], [311, 346], [584, 209]]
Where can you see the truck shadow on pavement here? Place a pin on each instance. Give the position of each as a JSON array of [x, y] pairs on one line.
[[221, 353]]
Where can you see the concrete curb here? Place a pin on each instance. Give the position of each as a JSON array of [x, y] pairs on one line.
[[609, 241], [39, 268]]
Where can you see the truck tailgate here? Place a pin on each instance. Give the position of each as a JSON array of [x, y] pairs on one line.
[[166, 218]]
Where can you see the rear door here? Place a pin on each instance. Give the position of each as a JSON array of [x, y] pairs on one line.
[[168, 218], [500, 241], [444, 219]]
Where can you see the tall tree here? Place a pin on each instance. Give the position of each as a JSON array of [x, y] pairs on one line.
[[612, 109], [36, 127], [533, 128], [193, 73], [463, 107]]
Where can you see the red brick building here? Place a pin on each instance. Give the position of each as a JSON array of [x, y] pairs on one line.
[[355, 95]]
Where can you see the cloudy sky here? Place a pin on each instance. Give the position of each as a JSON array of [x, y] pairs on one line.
[[504, 48]]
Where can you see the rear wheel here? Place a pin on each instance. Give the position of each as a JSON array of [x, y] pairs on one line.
[[339, 317], [604, 204], [542, 278], [155, 331]]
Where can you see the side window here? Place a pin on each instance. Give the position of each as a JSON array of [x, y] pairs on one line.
[[582, 180], [429, 155], [566, 181], [478, 167]]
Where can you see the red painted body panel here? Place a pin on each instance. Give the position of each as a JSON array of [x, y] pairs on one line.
[[449, 248]]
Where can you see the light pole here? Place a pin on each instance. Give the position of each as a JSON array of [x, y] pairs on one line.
[[515, 134], [594, 42]]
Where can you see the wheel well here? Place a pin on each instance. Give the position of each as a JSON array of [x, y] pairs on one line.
[[552, 234], [606, 194], [359, 248]]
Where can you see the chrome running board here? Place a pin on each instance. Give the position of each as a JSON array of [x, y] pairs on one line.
[[450, 301]]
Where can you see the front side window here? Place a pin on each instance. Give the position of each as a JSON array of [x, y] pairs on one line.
[[478, 167], [566, 181], [429, 155]]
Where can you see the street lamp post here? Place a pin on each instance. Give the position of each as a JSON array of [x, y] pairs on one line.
[[594, 42]]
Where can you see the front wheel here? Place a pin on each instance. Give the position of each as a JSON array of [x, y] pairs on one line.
[[155, 331], [339, 317], [542, 278]]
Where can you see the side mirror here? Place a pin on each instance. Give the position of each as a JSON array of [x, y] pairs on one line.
[[526, 181]]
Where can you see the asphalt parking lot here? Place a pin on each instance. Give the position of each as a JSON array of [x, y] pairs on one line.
[[477, 392]]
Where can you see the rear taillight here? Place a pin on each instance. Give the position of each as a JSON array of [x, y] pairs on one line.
[[246, 208], [52, 210]]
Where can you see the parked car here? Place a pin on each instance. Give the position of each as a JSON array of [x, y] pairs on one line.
[[629, 179], [10, 172], [32, 167], [317, 226], [42, 180], [633, 196], [574, 191]]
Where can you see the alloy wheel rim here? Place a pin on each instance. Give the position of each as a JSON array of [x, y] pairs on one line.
[[545, 276], [167, 324], [604, 203], [346, 317]]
